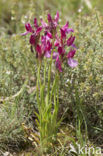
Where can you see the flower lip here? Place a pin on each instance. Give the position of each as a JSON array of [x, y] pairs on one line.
[[47, 54], [69, 30], [74, 46], [72, 63]]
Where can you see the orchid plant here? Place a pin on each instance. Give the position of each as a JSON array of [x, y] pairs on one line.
[[53, 45]]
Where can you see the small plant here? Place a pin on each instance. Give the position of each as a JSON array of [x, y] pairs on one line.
[[53, 46]]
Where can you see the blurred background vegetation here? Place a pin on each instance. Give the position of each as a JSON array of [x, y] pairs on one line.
[[81, 88]]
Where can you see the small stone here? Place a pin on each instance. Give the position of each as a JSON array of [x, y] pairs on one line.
[[6, 154]]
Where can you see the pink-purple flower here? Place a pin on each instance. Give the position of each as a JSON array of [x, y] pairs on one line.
[[70, 41], [71, 62], [35, 32], [48, 38], [58, 64], [52, 23]]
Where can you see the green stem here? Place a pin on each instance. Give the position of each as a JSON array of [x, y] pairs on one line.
[[49, 76], [54, 95], [38, 85], [45, 64], [56, 92], [55, 86], [98, 22], [58, 89]]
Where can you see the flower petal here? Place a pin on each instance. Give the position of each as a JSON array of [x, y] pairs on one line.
[[38, 49], [74, 46], [49, 18], [35, 23], [69, 30], [28, 27], [48, 46], [25, 33], [49, 34], [48, 54], [56, 43], [63, 33], [60, 50], [70, 40], [32, 39], [44, 25], [57, 17], [55, 55], [65, 27], [58, 64], [72, 63], [39, 29], [71, 53]]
